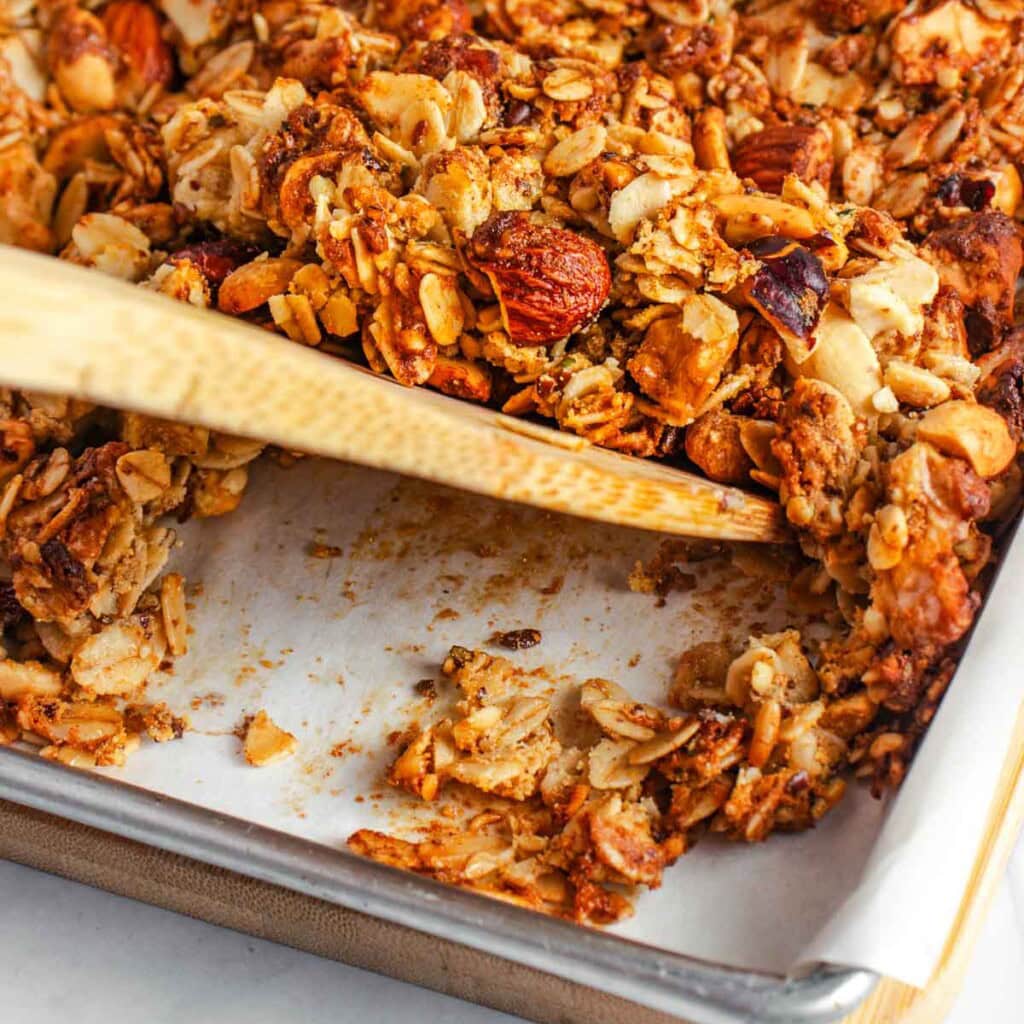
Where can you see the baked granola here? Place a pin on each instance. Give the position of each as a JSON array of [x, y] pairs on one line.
[[775, 240]]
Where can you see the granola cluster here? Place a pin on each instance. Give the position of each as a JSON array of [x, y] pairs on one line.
[[88, 613], [576, 827], [775, 240]]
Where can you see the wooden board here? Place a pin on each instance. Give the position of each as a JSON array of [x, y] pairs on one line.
[[231, 900], [894, 1003]]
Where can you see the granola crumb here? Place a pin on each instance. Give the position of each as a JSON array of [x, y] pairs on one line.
[[319, 550], [266, 743], [516, 639], [427, 689]]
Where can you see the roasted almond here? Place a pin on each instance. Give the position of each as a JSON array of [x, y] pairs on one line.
[[254, 283], [769, 155], [134, 29]]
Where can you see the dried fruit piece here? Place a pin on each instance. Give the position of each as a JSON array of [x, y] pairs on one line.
[[974, 193], [973, 432], [215, 260], [789, 291], [549, 281], [769, 155]]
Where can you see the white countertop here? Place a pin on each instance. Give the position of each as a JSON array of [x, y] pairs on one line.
[[69, 952]]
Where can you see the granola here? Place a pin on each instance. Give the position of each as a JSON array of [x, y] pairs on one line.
[[775, 240]]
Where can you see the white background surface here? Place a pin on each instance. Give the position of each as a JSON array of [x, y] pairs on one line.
[[71, 953]]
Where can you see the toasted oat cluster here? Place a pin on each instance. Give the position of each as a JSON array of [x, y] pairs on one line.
[[616, 809], [87, 612], [775, 240]]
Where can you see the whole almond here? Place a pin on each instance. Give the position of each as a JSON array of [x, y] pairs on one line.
[[134, 29], [769, 155]]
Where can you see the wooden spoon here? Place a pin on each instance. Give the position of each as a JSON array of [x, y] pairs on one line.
[[70, 331]]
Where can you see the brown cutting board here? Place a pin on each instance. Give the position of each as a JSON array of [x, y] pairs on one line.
[[266, 911]]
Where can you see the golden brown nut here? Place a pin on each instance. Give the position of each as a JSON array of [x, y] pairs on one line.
[[748, 217], [940, 41], [980, 258], [682, 357], [254, 283], [134, 29], [549, 281], [713, 443], [426, 19], [973, 432], [769, 155], [266, 742]]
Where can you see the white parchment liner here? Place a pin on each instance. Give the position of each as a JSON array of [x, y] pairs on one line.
[[332, 648]]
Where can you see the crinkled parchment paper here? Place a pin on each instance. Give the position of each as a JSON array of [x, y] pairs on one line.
[[333, 647]]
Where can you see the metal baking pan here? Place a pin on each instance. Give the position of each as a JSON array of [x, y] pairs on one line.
[[694, 990]]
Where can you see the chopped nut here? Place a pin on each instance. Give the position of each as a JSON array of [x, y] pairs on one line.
[[973, 432], [82, 61], [28, 678], [892, 296], [750, 217], [174, 613], [914, 385], [134, 29], [709, 140], [844, 357], [253, 284], [442, 309], [265, 743], [144, 474], [769, 155], [682, 358]]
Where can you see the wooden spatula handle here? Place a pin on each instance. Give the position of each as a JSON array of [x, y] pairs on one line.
[[67, 330]]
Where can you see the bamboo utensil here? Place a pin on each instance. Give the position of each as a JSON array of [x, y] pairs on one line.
[[67, 330]]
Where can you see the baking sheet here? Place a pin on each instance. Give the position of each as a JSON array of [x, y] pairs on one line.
[[332, 648]]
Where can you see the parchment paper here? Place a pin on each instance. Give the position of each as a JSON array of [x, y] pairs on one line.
[[332, 649]]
